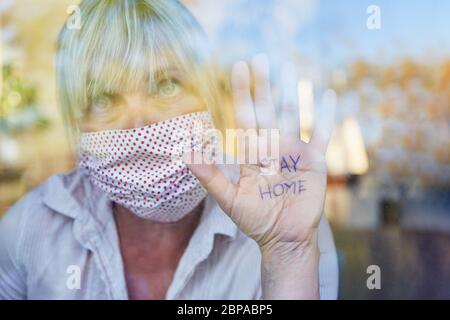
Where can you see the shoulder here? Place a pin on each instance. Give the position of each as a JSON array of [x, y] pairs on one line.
[[38, 215], [35, 204], [23, 213], [28, 232]]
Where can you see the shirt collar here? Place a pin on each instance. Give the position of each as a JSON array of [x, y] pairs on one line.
[[74, 196]]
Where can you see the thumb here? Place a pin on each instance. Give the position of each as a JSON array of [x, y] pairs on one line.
[[212, 179]]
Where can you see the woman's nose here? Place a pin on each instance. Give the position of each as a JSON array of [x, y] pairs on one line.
[[139, 112], [137, 119]]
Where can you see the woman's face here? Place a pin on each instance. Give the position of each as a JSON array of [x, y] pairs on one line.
[[170, 95]]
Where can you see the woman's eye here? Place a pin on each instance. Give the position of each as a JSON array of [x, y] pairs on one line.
[[169, 88], [101, 103]]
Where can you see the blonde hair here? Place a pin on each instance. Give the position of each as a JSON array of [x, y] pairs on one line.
[[118, 47]]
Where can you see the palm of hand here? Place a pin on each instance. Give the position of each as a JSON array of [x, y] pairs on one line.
[[286, 205]]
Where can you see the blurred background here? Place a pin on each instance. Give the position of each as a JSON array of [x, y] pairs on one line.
[[388, 197]]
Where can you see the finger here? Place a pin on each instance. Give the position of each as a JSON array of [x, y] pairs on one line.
[[240, 84], [290, 113], [213, 180], [324, 125], [247, 143], [264, 110]]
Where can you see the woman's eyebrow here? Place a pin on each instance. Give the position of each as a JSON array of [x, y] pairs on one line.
[[164, 72]]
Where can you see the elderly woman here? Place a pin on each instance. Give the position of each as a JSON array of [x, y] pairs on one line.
[[133, 222]]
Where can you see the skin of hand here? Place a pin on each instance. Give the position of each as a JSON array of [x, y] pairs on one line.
[[284, 224]]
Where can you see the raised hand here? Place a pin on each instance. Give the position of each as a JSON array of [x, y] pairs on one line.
[[280, 211]]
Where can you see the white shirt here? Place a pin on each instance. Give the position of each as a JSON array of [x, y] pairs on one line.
[[60, 242]]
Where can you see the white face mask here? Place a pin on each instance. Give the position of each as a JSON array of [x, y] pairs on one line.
[[141, 169]]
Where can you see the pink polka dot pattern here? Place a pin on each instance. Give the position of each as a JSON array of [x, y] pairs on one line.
[[142, 168]]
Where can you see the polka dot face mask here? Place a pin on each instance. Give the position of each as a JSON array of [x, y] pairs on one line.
[[142, 168]]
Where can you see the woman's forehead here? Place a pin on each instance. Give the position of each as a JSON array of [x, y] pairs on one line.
[[134, 73]]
